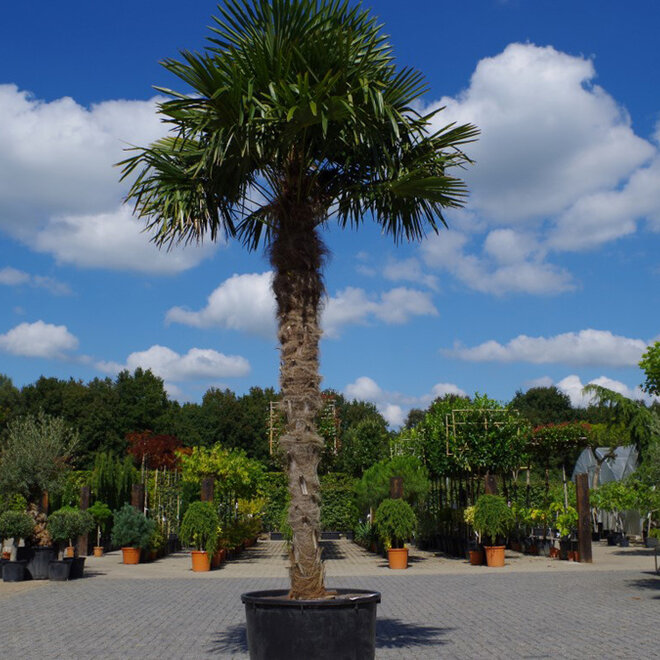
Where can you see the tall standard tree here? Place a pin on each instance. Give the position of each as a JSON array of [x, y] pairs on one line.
[[297, 117]]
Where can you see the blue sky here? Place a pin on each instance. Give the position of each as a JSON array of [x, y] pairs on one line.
[[549, 276]]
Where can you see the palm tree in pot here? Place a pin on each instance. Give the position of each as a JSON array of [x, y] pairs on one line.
[[396, 523], [297, 115], [493, 520]]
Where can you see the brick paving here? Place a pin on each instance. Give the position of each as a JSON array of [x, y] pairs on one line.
[[438, 608]]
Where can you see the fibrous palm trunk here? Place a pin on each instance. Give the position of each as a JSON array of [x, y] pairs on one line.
[[296, 254]]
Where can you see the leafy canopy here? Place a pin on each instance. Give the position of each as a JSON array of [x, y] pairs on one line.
[[650, 364], [295, 100]]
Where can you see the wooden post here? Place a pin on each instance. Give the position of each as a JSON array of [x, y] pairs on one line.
[[207, 489], [137, 497], [490, 484], [396, 487], [44, 502], [84, 505], [584, 517]]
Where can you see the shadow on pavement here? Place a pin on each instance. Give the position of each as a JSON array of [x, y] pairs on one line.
[[394, 634], [331, 550], [651, 582], [390, 634], [232, 640]]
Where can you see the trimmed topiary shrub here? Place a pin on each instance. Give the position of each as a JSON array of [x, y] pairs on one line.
[[396, 522]]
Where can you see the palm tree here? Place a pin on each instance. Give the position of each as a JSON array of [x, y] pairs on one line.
[[296, 116]]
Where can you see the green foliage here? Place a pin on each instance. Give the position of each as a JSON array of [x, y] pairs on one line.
[[493, 518], [338, 508], [199, 527], [112, 479], [365, 534], [13, 502], [543, 405], [274, 489], [16, 525], [641, 423], [481, 436], [70, 492], [363, 445], [374, 486], [131, 528], [234, 471], [395, 521], [650, 365], [102, 514], [37, 455], [67, 523]]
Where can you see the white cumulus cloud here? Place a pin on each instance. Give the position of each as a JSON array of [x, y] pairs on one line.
[[586, 347], [246, 303], [39, 339], [196, 364], [572, 386], [394, 406], [13, 277]]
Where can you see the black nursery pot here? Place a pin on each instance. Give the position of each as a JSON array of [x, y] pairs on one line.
[[14, 571], [58, 571], [343, 628], [77, 567], [37, 566]]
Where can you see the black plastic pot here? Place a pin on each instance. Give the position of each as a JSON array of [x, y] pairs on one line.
[[77, 567], [276, 536], [14, 571], [343, 628], [37, 565], [58, 571], [624, 542], [330, 536]]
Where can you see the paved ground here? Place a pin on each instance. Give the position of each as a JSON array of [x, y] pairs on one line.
[[438, 608]]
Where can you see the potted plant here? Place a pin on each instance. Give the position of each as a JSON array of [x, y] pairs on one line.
[[131, 531], [15, 525], [475, 548], [41, 550], [493, 519], [199, 528], [303, 99], [101, 514], [65, 525], [396, 523]]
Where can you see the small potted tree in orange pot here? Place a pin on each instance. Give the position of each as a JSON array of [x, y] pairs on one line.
[[131, 531], [396, 523], [101, 514], [493, 519], [199, 528]]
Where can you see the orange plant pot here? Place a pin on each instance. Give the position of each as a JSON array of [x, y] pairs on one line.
[[495, 555], [200, 561], [131, 555], [554, 553], [98, 551], [218, 558], [70, 551], [398, 557], [476, 557]]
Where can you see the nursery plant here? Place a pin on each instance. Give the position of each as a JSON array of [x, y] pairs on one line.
[[67, 524], [101, 514], [131, 529], [199, 527], [396, 522], [296, 115], [15, 525], [493, 518]]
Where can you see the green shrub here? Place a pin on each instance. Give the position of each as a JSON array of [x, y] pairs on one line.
[[67, 523], [16, 525], [395, 521], [102, 514], [131, 528], [199, 527], [374, 486], [338, 509], [492, 518]]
